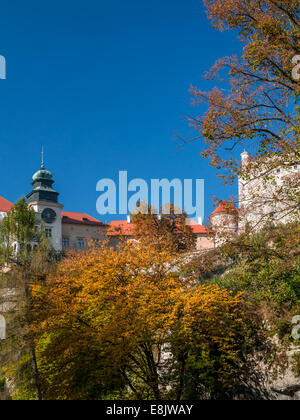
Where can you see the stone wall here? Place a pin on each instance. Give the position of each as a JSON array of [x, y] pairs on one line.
[[204, 242]]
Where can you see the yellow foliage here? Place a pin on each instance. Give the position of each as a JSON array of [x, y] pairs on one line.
[[107, 314]]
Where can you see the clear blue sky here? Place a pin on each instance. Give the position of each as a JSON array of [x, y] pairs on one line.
[[104, 87]]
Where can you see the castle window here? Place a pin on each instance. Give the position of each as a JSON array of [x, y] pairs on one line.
[[278, 171], [48, 233], [80, 243], [296, 167], [65, 242]]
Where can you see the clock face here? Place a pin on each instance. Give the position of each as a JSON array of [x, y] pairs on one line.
[[49, 216]]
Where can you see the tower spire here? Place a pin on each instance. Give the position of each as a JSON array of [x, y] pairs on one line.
[[42, 165]]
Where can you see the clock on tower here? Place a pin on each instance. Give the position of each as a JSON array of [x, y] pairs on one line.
[[49, 216]]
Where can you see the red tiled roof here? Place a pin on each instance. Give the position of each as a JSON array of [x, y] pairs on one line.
[[5, 205], [199, 229], [121, 228], [80, 218], [224, 207]]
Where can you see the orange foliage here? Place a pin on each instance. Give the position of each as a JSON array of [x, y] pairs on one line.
[[106, 320]]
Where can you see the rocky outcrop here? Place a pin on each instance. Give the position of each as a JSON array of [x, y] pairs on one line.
[[11, 302]]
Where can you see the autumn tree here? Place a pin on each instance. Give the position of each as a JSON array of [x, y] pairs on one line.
[[126, 323], [168, 228], [256, 107], [25, 264], [259, 110]]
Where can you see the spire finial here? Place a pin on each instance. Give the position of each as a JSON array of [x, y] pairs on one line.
[[42, 166]]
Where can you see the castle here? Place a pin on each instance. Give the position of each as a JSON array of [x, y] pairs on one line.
[[72, 230], [64, 229], [268, 192], [260, 201]]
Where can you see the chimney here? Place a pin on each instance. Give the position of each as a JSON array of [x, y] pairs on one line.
[[200, 221], [129, 219]]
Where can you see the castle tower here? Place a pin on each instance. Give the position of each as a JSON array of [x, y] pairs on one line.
[[264, 190], [245, 158], [224, 221], [44, 200]]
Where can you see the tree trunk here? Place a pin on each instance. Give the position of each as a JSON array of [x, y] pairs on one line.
[[35, 372], [31, 342]]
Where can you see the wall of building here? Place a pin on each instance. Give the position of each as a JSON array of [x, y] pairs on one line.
[[87, 232], [263, 200], [225, 227], [204, 242], [55, 227]]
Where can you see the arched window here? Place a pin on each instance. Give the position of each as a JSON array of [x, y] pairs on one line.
[[2, 328]]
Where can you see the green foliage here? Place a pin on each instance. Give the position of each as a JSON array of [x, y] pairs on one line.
[[25, 265], [21, 371], [267, 271], [17, 228], [2, 380]]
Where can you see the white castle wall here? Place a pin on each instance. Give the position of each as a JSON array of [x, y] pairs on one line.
[[56, 227], [225, 226], [264, 200]]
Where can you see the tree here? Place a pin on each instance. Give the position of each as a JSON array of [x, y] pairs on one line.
[[265, 267], [127, 323], [17, 229], [169, 228], [26, 265], [259, 110]]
